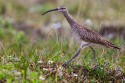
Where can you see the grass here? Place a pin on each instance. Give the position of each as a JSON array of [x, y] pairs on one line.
[[23, 61]]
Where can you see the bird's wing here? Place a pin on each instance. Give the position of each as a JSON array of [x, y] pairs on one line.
[[89, 35]]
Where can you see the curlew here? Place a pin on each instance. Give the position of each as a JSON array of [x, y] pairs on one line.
[[85, 36]]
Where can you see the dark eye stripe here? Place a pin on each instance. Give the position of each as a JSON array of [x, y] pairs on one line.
[[63, 8]]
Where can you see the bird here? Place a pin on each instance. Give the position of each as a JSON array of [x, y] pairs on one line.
[[85, 36]]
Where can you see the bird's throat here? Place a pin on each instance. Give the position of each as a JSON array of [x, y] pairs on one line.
[[69, 18]]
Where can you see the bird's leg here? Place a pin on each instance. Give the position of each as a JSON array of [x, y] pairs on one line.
[[75, 54], [93, 52]]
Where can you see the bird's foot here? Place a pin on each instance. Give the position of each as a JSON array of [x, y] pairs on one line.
[[65, 65]]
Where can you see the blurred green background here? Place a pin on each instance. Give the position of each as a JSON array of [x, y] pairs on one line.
[[27, 15], [30, 43]]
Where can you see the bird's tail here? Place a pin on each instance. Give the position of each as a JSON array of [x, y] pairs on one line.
[[110, 45]]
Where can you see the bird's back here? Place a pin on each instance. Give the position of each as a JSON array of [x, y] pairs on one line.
[[90, 36], [87, 34]]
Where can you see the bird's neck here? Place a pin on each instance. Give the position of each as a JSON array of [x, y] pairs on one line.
[[69, 18]]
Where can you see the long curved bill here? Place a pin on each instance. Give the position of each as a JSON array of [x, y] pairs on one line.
[[50, 11]]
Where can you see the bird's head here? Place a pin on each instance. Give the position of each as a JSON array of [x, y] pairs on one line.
[[60, 9]]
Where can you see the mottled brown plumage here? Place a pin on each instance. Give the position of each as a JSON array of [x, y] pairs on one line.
[[91, 36], [85, 36]]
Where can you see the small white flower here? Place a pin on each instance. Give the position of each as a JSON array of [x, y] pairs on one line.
[[45, 69], [41, 77], [60, 71], [50, 62], [75, 74], [40, 61], [101, 67]]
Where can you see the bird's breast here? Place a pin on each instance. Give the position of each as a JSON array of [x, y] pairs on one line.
[[76, 36]]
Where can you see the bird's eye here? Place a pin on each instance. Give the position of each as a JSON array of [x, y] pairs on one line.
[[62, 8]]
